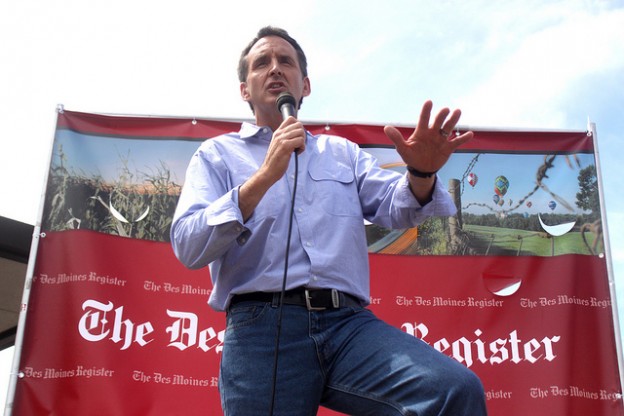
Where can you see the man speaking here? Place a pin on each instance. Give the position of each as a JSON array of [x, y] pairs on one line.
[[277, 214]]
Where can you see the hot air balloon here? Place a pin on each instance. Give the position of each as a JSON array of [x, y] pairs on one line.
[[495, 198], [529, 204], [501, 202], [501, 184], [472, 179], [552, 205]]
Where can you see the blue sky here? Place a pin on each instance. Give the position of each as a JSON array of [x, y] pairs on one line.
[[526, 64]]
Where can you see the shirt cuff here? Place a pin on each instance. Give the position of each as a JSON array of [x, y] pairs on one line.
[[441, 204], [226, 211]]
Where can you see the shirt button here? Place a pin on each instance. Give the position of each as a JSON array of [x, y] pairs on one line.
[[308, 244]]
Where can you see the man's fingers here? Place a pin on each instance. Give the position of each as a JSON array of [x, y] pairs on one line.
[[461, 139], [439, 120], [425, 114], [450, 124], [395, 135]]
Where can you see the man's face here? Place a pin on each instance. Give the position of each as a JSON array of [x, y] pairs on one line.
[[273, 69]]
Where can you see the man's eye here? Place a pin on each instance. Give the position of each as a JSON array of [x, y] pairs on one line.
[[260, 63]]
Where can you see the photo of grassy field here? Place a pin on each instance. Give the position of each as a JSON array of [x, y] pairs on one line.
[[506, 204], [489, 240], [129, 187]]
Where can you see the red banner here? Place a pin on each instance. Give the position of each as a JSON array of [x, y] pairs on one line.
[[514, 287]]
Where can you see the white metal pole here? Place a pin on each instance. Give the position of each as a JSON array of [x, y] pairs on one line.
[[607, 254], [19, 337]]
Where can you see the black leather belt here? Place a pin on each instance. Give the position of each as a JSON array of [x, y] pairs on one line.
[[313, 299]]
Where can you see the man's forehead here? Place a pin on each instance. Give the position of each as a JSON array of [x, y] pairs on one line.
[[272, 42]]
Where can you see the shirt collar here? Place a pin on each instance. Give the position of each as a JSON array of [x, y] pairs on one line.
[[249, 130]]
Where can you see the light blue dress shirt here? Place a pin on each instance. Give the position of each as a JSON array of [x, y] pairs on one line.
[[338, 186]]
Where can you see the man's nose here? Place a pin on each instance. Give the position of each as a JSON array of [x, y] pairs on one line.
[[275, 68]]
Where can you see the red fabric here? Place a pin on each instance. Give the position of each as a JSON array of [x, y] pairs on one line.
[[117, 326]]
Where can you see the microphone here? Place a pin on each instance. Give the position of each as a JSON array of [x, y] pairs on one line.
[[286, 104]]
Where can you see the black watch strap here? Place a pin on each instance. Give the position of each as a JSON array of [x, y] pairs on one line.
[[420, 174]]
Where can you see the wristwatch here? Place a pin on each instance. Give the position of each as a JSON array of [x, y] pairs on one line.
[[420, 174]]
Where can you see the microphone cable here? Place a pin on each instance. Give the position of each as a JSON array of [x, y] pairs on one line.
[[283, 290], [286, 105]]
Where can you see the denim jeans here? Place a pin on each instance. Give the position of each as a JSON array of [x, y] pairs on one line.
[[344, 359]]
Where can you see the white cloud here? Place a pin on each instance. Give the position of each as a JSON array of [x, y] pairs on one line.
[[525, 89]]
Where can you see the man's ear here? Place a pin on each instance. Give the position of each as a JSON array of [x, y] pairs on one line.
[[244, 91], [307, 88]]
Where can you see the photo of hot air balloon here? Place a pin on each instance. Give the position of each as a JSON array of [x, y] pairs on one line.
[[501, 185], [526, 191], [552, 205], [472, 179]]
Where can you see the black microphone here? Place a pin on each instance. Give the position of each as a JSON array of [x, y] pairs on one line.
[[286, 105]]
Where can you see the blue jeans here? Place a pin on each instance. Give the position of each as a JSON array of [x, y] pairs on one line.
[[345, 359]]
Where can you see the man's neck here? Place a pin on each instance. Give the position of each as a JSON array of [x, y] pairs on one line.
[[273, 121]]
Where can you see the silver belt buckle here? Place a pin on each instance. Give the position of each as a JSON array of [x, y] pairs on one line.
[[335, 299], [309, 306]]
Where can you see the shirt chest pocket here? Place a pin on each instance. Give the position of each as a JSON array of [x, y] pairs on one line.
[[335, 190]]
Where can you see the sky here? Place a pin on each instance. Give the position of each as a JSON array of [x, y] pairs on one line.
[[525, 64]]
